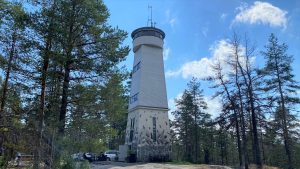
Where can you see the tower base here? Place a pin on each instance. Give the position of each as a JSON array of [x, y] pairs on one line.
[[148, 134]]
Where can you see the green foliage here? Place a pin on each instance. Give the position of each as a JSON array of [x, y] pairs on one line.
[[191, 121], [258, 121], [279, 80], [67, 49], [99, 116], [67, 162], [84, 165]]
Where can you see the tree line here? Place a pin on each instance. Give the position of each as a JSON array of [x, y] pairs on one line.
[[258, 123], [62, 89]]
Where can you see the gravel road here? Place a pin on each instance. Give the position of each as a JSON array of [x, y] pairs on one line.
[[121, 165]]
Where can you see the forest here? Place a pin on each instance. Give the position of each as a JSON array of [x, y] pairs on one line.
[[62, 91], [259, 121]]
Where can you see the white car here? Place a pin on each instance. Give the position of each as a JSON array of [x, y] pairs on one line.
[[111, 154]]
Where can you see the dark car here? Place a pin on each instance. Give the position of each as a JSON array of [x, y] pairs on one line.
[[102, 157], [90, 157]]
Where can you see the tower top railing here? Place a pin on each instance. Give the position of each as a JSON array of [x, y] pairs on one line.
[[148, 31]]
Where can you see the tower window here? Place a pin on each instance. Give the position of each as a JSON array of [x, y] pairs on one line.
[[133, 98], [136, 67], [131, 136], [131, 129], [154, 129]]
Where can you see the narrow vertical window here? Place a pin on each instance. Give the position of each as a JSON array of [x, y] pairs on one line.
[[154, 129], [131, 136], [136, 67], [131, 129]]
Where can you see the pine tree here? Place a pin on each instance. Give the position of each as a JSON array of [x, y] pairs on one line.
[[183, 121], [191, 118], [13, 60], [115, 103], [280, 83], [90, 47]]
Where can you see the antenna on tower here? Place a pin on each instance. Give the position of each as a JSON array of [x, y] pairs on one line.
[[150, 17]]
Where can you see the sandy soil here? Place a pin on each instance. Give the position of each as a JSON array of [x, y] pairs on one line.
[[121, 165]]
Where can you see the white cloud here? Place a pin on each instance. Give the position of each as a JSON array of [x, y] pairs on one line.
[[172, 105], [221, 51], [171, 19], [223, 16], [262, 12], [204, 31], [214, 106], [166, 53], [171, 73], [172, 22], [171, 102]]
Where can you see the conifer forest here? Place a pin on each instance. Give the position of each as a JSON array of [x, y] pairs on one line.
[[63, 91]]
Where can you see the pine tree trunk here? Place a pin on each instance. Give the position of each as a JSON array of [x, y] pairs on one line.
[[284, 121], [186, 143], [242, 114], [196, 138], [236, 122], [38, 153], [4, 95], [262, 145], [255, 135], [238, 137], [7, 75], [64, 100], [253, 121], [67, 68], [245, 151]]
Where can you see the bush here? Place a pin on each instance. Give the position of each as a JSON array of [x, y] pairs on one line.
[[1, 161], [84, 165], [68, 163]]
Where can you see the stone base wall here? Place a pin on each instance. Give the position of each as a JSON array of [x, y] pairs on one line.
[[148, 134], [153, 153]]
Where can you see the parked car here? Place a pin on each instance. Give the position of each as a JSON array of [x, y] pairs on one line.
[[111, 154], [102, 157], [90, 156]]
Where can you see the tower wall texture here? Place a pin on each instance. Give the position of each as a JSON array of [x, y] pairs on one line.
[[148, 130]]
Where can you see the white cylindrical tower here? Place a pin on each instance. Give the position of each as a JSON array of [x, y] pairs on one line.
[[148, 130]]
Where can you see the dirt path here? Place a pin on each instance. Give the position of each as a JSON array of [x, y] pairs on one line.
[[121, 165]]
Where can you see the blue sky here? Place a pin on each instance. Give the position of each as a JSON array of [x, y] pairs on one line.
[[198, 31]]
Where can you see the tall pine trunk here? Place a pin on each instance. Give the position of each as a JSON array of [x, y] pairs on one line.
[[284, 120], [236, 122], [238, 137], [7, 75], [242, 117], [41, 116], [7, 153], [248, 82], [67, 69], [64, 100]]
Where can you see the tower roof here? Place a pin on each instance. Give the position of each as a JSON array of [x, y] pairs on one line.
[[148, 31]]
